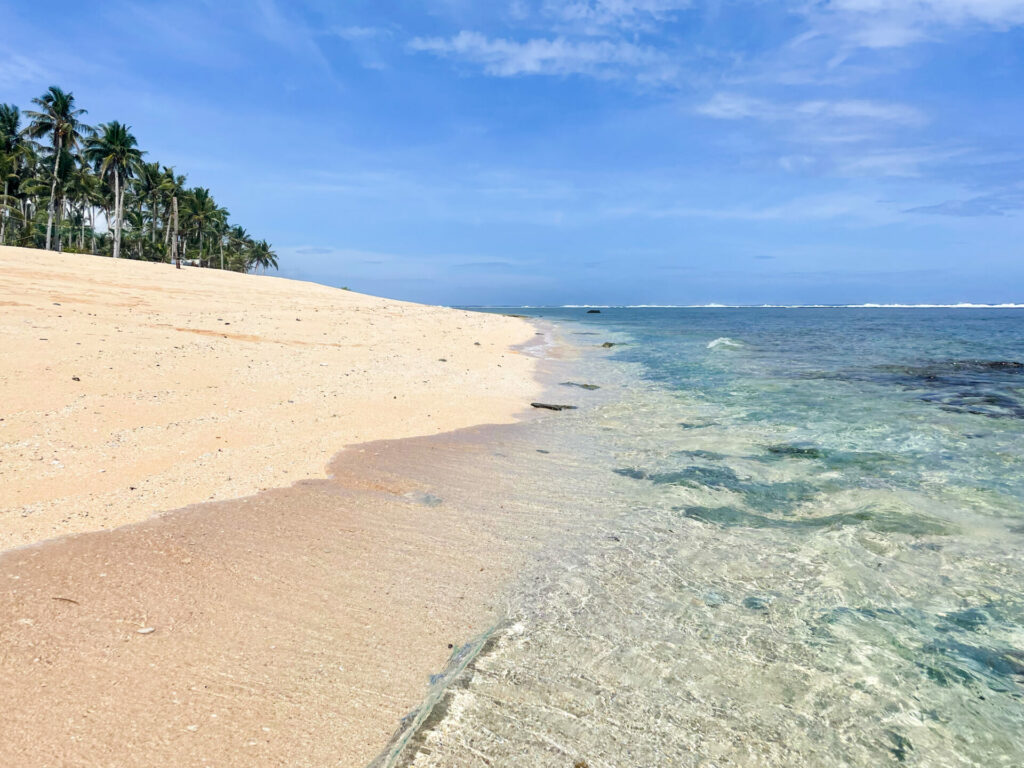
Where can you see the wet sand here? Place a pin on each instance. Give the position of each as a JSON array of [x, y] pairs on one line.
[[294, 617], [293, 628]]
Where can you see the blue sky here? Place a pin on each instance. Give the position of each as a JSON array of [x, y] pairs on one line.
[[583, 151]]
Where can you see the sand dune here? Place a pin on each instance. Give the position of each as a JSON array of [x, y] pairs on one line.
[[129, 388]]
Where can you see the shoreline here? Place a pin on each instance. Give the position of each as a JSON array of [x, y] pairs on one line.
[[131, 388], [262, 614]]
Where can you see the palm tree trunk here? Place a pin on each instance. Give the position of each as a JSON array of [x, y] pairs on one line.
[[3, 217], [92, 227], [53, 191], [117, 214], [174, 237]]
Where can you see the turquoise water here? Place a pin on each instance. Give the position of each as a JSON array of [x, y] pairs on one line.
[[801, 542]]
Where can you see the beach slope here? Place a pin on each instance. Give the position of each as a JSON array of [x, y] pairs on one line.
[[130, 388]]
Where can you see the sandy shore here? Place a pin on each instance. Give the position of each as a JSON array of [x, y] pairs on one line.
[[293, 627], [129, 388]]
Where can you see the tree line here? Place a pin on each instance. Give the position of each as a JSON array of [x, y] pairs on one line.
[[69, 186]]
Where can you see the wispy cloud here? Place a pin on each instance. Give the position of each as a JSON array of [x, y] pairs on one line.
[[887, 24], [806, 208], [1001, 203], [730, 106], [16, 70], [504, 57], [597, 16]]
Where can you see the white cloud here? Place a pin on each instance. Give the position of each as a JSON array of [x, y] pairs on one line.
[[952, 12], [541, 56], [16, 70], [595, 15], [807, 208], [730, 106], [862, 109], [356, 33], [881, 24]]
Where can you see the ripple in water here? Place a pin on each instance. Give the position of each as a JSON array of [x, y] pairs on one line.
[[794, 559]]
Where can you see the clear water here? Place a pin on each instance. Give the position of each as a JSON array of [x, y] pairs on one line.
[[800, 542]]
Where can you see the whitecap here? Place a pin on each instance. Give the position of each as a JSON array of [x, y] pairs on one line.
[[725, 342]]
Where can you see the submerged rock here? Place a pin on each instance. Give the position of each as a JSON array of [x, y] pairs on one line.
[[554, 407], [608, 345], [799, 450], [756, 603], [593, 311], [590, 387]]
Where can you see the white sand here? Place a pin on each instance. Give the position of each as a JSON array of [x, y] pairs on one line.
[[129, 388]]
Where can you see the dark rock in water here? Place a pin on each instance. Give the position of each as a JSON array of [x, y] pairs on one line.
[[553, 407], [593, 311], [581, 386], [901, 746], [998, 365], [962, 660], [800, 450], [701, 454], [635, 474], [541, 450], [713, 600], [608, 345], [756, 603], [520, 316], [989, 388], [970, 619], [878, 521]]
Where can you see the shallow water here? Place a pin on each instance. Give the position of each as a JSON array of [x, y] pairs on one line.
[[798, 540]]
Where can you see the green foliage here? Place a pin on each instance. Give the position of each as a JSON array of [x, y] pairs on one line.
[[72, 187]]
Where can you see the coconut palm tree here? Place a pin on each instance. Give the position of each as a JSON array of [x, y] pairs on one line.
[[58, 118], [12, 150], [114, 153], [41, 168], [263, 256], [85, 193], [202, 216]]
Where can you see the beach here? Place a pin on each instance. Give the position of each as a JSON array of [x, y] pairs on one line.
[[131, 388], [291, 610]]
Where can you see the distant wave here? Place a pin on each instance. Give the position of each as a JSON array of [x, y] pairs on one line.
[[961, 305], [725, 342]]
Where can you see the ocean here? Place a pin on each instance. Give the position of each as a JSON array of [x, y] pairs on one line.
[[787, 537]]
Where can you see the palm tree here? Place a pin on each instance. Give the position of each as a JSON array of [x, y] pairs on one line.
[[113, 151], [57, 119], [41, 167], [172, 187], [11, 152], [86, 193], [263, 256], [202, 215]]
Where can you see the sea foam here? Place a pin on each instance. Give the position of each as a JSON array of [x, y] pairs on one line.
[[725, 342]]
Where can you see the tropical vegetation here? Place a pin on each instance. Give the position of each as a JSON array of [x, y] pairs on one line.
[[70, 186]]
